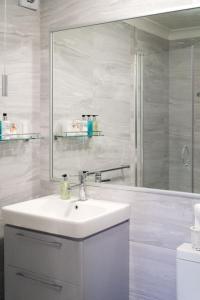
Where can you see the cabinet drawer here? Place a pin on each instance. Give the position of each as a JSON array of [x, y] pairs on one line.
[[23, 285], [45, 254]]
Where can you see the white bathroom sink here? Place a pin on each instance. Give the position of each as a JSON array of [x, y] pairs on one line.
[[63, 217]]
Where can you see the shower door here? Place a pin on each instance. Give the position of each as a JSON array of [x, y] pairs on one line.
[[181, 115], [168, 113]]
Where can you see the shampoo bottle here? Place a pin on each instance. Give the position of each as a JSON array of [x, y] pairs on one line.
[[65, 188], [90, 126]]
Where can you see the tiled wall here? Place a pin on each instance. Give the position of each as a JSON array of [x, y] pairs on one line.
[[157, 230], [20, 161], [159, 223]]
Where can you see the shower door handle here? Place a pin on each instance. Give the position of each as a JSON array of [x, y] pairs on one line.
[[185, 156]]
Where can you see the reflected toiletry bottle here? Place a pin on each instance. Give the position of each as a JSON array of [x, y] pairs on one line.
[[1, 124], [95, 125], [23, 127], [65, 188], [6, 127], [84, 125], [0, 130], [89, 126], [13, 130]]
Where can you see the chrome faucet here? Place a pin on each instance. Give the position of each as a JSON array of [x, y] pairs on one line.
[[82, 186]]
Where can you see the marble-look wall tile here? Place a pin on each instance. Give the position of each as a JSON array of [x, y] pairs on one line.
[[20, 161], [159, 223], [152, 272], [76, 13]]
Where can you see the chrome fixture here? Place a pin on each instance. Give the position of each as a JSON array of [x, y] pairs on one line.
[[4, 74], [30, 4], [4, 85], [138, 116], [82, 190], [82, 185], [98, 179], [98, 174]]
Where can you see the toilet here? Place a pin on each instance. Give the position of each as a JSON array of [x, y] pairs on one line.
[[188, 273]]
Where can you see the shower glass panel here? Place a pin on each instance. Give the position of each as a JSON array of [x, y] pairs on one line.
[[171, 142], [181, 67], [196, 116]]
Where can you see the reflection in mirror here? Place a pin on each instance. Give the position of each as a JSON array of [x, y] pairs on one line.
[[126, 101]]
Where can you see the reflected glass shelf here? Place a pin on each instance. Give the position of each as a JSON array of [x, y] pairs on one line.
[[81, 134], [19, 137]]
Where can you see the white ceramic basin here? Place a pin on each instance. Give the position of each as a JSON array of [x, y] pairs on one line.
[[68, 218]]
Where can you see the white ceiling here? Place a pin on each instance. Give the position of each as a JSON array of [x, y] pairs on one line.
[[177, 20]]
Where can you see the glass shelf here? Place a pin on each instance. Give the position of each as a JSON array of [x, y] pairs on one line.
[[19, 137], [78, 134]]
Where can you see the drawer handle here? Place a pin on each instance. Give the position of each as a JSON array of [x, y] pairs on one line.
[[50, 284], [51, 244]]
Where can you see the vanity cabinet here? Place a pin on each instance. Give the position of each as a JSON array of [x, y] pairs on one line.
[[40, 266]]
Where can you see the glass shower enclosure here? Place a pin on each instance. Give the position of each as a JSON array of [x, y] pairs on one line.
[[167, 113]]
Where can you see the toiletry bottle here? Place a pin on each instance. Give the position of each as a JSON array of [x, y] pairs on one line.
[[95, 125], [13, 130], [90, 126], [84, 125], [76, 127], [23, 127], [6, 127], [1, 130], [65, 188]]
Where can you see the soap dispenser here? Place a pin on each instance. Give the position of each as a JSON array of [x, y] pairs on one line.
[[65, 188]]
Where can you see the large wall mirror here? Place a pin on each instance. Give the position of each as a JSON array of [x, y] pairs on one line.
[[126, 101]]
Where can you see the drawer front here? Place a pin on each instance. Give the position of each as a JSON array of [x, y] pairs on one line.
[[45, 254], [23, 285]]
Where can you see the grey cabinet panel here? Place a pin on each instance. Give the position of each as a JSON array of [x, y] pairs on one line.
[[23, 285], [52, 256], [106, 265], [46, 267]]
